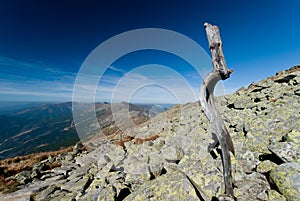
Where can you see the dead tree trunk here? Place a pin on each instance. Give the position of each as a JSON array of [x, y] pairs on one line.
[[220, 72]]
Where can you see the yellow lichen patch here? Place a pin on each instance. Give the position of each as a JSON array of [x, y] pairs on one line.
[[204, 174], [256, 142], [265, 166], [293, 136], [275, 196], [286, 177], [173, 186], [237, 170]]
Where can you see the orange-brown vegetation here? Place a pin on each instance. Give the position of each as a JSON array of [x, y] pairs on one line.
[[142, 140], [121, 142], [12, 166]]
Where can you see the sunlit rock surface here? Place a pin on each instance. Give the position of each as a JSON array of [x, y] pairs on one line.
[[168, 158]]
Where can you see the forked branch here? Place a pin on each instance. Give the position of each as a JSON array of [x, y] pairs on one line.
[[220, 72]]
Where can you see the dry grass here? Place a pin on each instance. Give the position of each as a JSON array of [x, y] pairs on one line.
[[142, 140], [12, 166], [121, 142]]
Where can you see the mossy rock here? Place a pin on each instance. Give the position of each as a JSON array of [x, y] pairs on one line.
[[287, 179], [265, 166], [275, 196], [173, 186]]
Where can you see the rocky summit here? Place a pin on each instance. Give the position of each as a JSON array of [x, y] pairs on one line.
[[169, 156]]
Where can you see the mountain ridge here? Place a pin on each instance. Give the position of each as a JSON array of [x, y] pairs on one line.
[[50, 127], [160, 157]]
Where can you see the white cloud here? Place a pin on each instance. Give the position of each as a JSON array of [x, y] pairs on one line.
[[144, 84], [22, 80], [149, 83], [116, 69]]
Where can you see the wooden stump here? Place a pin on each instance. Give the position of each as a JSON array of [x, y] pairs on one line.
[[220, 72]]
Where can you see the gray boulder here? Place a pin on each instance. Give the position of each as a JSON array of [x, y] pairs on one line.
[[287, 179]]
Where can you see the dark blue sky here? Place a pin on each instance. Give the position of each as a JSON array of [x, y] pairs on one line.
[[43, 43]]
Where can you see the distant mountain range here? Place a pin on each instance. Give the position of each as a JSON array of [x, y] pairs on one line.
[[47, 127], [9, 106]]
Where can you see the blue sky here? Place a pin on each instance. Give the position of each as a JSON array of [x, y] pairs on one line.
[[43, 45]]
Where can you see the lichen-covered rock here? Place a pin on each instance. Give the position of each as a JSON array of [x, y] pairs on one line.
[[102, 193], [287, 179], [293, 136], [23, 177], [78, 173], [106, 152], [172, 154], [78, 185], [142, 164], [46, 193], [171, 186], [94, 189], [287, 151], [137, 170], [204, 173], [107, 193], [248, 160], [263, 121], [275, 196], [242, 103], [253, 187], [257, 142], [265, 166]]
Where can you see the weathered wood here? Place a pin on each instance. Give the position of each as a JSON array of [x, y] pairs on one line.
[[220, 72]]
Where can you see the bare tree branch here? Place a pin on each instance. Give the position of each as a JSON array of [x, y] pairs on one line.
[[220, 72]]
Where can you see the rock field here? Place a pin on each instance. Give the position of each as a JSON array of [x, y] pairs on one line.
[[263, 121]]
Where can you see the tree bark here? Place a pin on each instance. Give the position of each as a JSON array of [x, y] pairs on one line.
[[220, 72]]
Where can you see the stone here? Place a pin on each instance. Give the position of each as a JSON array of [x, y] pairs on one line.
[[68, 164], [46, 193], [23, 177], [137, 170], [257, 143], [51, 159], [243, 103], [172, 154], [94, 190], [284, 78], [275, 196], [66, 197], [293, 136], [69, 157], [21, 195], [56, 177], [78, 173], [47, 175], [102, 155], [156, 165], [287, 179], [171, 186], [108, 193], [253, 187], [182, 164], [265, 166], [62, 170], [248, 161], [77, 148], [78, 185], [35, 174], [286, 151], [204, 173]]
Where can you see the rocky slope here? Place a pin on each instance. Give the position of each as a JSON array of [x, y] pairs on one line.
[[49, 127], [167, 157]]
